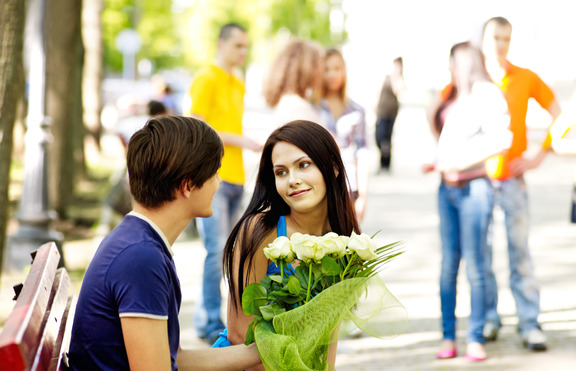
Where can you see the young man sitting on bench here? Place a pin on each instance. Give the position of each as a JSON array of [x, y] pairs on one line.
[[127, 311]]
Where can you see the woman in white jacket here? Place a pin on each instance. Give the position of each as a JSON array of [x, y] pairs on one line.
[[473, 125]]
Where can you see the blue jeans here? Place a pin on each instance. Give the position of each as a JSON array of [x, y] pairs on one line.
[[511, 196], [464, 217], [214, 231]]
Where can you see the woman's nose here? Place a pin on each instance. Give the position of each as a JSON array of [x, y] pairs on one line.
[[294, 179]]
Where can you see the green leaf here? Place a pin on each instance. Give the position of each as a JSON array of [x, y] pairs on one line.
[[253, 297], [276, 278], [250, 332], [293, 285], [316, 271], [269, 311], [301, 273], [279, 293], [291, 300], [266, 281], [329, 267]]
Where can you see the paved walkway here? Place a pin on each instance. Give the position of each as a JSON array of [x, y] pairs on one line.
[[402, 206]]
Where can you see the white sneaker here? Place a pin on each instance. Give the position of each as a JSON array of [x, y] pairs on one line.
[[490, 331], [534, 339]]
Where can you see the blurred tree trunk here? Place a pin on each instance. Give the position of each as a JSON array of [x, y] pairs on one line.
[[93, 62], [12, 16], [64, 60]]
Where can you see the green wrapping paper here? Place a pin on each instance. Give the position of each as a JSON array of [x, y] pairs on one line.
[[299, 339]]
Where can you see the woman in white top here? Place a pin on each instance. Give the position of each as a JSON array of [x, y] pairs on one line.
[[294, 80], [475, 127]]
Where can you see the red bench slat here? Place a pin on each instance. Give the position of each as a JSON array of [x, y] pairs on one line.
[[23, 330]]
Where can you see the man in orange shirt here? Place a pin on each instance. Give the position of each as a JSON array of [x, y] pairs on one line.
[[506, 171]]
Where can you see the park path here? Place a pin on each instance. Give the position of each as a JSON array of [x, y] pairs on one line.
[[402, 206]]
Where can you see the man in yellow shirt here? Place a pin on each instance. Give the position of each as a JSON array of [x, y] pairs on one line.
[[217, 97], [507, 173]]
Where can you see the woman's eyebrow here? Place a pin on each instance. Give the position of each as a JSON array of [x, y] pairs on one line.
[[294, 162]]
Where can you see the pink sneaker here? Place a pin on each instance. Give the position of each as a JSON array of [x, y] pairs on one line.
[[445, 354], [475, 358]]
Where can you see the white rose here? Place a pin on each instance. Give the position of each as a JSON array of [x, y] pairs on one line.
[[334, 244], [363, 245], [280, 248], [306, 247]]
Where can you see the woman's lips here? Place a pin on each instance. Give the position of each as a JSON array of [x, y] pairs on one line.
[[298, 192]]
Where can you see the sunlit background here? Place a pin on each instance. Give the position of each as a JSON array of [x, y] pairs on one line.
[[370, 32]]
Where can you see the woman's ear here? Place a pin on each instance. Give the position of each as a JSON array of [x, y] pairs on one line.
[[336, 172]]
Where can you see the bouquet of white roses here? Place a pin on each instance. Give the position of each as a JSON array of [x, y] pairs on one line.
[[297, 310]]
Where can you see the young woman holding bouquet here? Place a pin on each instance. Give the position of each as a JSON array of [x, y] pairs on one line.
[[301, 187]]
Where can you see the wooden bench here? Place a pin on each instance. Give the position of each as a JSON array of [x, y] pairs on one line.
[[36, 334]]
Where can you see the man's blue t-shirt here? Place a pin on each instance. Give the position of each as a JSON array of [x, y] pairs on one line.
[[131, 275]]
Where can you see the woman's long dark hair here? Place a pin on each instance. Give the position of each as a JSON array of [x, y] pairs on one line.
[[319, 145]]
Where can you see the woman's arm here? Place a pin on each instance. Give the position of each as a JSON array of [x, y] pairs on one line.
[[237, 321]]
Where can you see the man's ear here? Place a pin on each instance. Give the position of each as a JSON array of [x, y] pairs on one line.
[[186, 188]]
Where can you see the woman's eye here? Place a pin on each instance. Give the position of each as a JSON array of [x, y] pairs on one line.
[[304, 164], [280, 172]]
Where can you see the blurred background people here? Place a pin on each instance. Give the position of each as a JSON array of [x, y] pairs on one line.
[[118, 201], [472, 128], [294, 82], [387, 110], [507, 174], [165, 95], [217, 97], [345, 119]]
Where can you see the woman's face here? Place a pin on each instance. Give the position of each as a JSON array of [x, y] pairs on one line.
[[298, 180], [334, 73]]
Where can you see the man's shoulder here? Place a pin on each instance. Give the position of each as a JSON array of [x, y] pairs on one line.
[[514, 70], [208, 72], [132, 236]]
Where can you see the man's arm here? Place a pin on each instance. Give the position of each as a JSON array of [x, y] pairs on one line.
[[520, 165], [565, 126], [146, 342], [241, 141], [235, 357]]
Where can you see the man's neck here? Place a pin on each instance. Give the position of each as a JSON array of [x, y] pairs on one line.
[[167, 217], [220, 62], [497, 68]]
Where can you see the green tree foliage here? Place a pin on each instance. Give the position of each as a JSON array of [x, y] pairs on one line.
[[115, 17], [154, 21], [185, 33], [308, 19]]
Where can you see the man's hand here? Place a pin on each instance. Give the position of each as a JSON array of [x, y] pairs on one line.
[[520, 165], [254, 145], [360, 206], [428, 168]]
